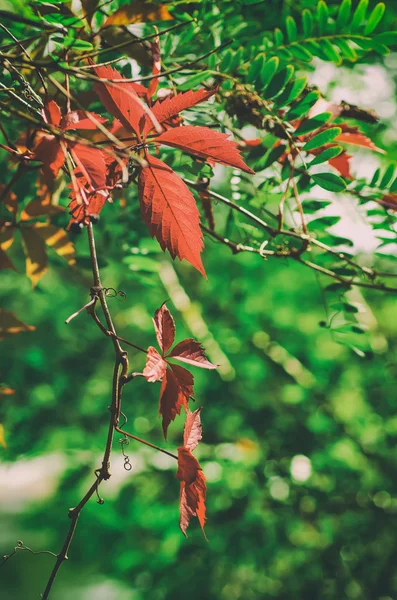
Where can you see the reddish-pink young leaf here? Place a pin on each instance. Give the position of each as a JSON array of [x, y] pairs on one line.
[[78, 119], [193, 489], [172, 106], [164, 326], [52, 113], [48, 150], [358, 139], [170, 212], [155, 365], [176, 388], [91, 162], [190, 351], [193, 431], [119, 99], [205, 143]]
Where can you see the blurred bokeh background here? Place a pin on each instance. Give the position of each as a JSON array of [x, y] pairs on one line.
[[299, 446]]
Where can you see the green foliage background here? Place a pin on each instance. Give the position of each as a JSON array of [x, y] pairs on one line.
[[286, 390]]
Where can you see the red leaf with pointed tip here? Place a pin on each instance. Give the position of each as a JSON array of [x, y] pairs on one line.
[[92, 161], [170, 212], [155, 366], [52, 113], [164, 326], [176, 388], [120, 99], [205, 143], [193, 489], [48, 150], [358, 139], [193, 431], [190, 351], [172, 106], [78, 119]]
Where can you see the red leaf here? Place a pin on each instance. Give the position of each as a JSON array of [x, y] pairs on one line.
[[342, 164], [170, 213], [82, 211], [193, 431], [358, 139], [52, 113], [193, 489], [205, 143], [172, 106], [164, 326], [92, 164], [78, 119], [48, 150], [155, 365], [176, 388], [120, 99], [190, 351], [185, 381]]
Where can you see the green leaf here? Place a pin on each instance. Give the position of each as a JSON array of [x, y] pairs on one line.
[[312, 206], [237, 59], [359, 15], [346, 50], [343, 14], [303, 106], [292, 30], [312, 124], [374, 18], [307, 22], [322, 138], [292, 92], [350, 308], [336, 240], [329, 182], [196, 79], [388, 176], [337, 287], [271, 156], [279, 81], [322, 17], [82, 45], [375, 178], [327, 155], [278, 37], [256, 67], [300, 52], [323, 223], [388, 37], [268, 70], [330, 52], [226, 61]]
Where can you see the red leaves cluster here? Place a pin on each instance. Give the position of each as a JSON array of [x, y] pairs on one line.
[[168, 207], [177, 382], [190, 474], [176, 389]]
